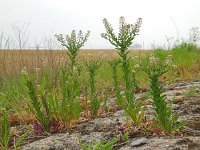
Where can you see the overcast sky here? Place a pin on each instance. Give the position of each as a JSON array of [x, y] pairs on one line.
[[161, 18]]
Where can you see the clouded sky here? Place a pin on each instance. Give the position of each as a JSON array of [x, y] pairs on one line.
[[161, 18]]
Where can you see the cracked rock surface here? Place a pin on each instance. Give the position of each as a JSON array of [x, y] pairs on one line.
[[185, 99]]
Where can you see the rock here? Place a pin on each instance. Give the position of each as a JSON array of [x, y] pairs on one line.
[[175, 107], [179, 88], [110, 126], [139, 142], [147, 102], [63, 141], [179, 93], [58, 142], [184, 141], [178, 100], [182, 84], [196, 110], [168, 87], [197, 90], [174, 92], [167, 143], [193, 146]]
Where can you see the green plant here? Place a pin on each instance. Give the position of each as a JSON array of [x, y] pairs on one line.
[[13, 92], [73, 43], [40, 109], [69, 107], [185, 50], [99, 146], [105, 98], [155, 68], [45, 82], [127, 33], [40, 98], [161, 54], [184, 68], [20, 140], [43, 102], [4, 132], [6, 140], [86, 86], [114, 64], [125, 137], [92, 67], [192, 91]]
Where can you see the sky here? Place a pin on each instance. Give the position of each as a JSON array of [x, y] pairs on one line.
[[161, 19]]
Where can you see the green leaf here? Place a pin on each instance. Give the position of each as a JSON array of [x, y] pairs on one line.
[[109, 144], [22, 138]]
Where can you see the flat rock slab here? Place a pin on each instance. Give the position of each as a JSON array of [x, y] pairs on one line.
[[167, 143], [70, 142], [105, 128], [63, 141]]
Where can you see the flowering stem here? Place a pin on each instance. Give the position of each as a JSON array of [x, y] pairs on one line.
[[127, 33], [155, 68]]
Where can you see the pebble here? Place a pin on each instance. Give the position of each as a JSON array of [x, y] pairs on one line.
[[139, 142], [182, 84]]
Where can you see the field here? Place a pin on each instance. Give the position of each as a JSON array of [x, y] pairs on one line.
[[44, 67], [14, 60], [61, 89], [100, 99]]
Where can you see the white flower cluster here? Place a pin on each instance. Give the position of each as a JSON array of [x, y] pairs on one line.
[[109, 29], [75, 70], [72, 38], [37, 69], [129, 29], [168, 60], [102, 55], [24, 71], [44, 63], [127, 33], [153, 60], [73, 41]]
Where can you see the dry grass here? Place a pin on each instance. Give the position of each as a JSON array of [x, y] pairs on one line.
[[12, 61]]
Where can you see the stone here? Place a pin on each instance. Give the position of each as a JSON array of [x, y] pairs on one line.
[[178, 100], [105, 128], [179, 93], [179, 88], [197, 90], [193, 146], [139, 142], [183, 84]]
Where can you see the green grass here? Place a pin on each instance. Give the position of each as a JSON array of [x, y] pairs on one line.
[[13, 93], [99, 146], [60, 92]]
